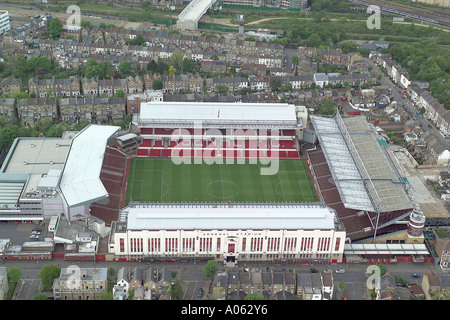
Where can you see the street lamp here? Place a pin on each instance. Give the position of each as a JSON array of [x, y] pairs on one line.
[[215, 6], [171, 7]]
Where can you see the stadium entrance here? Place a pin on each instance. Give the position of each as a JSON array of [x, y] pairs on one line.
[[230, 261]]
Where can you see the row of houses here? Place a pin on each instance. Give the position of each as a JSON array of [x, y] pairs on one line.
[[418, 92], [94, 110], [72, 87], [231, 284], [236, 284]]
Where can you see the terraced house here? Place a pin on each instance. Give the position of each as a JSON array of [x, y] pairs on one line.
[[7, 108], [94, 110], [11, 85], [32, 110], [87, 285]]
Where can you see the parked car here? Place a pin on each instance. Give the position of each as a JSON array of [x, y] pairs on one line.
[[415, 275], [34, 236], [200, 293], [37, 229], [340, 271], [312, 270]]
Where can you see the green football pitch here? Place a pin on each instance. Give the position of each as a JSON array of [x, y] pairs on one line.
[[160, 180]]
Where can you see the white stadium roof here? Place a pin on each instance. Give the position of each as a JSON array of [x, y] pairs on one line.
[[362, 169], [219, 217], [391, 248], [80, 182], [218, 113]]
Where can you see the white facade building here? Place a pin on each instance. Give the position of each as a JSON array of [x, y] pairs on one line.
[[244, 232], [4, 21]]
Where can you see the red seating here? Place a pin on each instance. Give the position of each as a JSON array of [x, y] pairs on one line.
[[166, 152], [142, 152], [155, 152], [146, 143], [158, 144], [287, 144], [292, 154], [163, 131], [146, 130]]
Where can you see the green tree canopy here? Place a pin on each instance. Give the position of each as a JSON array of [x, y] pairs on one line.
[[221, 89], [254, 296], [157, 84], [40, 296], [107, 295], [7, 136], [54, 27], [47, 274], [94, 69], [327, 107], [125, 68], [210, 269], [119, 94], [176, 290], [14, 274], [176, 58], [275, 83], [57, 129]]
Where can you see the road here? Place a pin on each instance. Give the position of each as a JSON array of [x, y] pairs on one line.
[[192, 277], [409, 106]]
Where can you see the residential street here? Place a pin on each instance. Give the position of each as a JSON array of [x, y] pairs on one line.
[[192, 277]]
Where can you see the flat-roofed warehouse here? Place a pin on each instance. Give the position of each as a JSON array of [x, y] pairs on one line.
[[44, 177], [358, 178]]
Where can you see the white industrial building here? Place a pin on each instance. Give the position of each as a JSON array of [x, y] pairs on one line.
[[4, 21], [45, 177], [229, 233]]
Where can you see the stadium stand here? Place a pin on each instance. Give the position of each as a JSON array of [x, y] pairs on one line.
[[112, 175]]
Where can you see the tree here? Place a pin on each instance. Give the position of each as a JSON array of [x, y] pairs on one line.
[[176, 290], [119, 94], [111, 272], [294, 60], [210, 269], [107, 295], [152, 66], [327, 107], [14, 274], [35, 64], [172, 70], [40, 296], [176, 58], [187, 65], [7, 136], [221, 89], [47, 274], [254, 296], [275, 83], [443, 295], [125, 68], [215, 56], [157, 84], [20, 95], [93, 69], [342, 286], [54, 27], [57, 129]]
